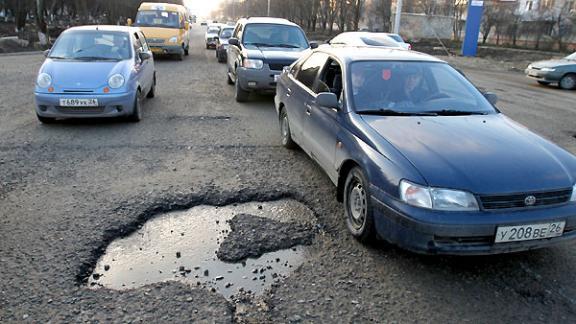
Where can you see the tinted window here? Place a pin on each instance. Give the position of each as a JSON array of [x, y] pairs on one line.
[[158, 18], [309, 69], [226, 33], [274, 35], [413, 87], [379, 41], [397, 38], [213, 30], [92, 45], [144, 42]]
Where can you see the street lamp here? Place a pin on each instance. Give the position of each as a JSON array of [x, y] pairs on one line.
[[268, 8]]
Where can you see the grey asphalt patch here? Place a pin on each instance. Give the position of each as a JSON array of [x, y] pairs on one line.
[[181, 246]]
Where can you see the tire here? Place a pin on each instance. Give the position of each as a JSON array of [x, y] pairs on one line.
[[207, 46], [180, 56], [543, 83], [187, 50], [241, 95], [229, 79], [568, 82], [136, 115], [221, 58], [285, 133], [358, 207], [46, 120], [152, 92]]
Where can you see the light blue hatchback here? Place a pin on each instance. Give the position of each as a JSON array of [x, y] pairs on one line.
[[95, 71]]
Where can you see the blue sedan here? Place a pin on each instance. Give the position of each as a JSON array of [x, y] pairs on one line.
[[421, 158], [95, 71]]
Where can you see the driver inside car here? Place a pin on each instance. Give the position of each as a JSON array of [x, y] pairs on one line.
[[412, 89]]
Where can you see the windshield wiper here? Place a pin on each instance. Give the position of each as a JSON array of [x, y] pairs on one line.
[[59, 57], [454, 112], [390, 112], [95, 58], [286, 46], [260, 44]]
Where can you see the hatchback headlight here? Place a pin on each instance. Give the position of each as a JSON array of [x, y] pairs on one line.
[[116, 81], [173, 39], [253, 64], [44, 80], [573, 197], [547, 69], [437, 198]]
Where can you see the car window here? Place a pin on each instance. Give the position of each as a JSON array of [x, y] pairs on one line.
[[397, 38], [213, 30], [92, 45], [274, 35], [413, 87], [143, 41], [158, 18], [226, 33], [238, 34], [375, 40], [330, 79], [310, 68]]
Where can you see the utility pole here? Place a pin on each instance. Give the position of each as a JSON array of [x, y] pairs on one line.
[[398, 16], [268, 8]]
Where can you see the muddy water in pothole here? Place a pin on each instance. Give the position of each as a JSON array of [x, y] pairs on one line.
[[182, 246]]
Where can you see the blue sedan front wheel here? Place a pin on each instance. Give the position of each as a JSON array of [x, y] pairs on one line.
[[358, 208]]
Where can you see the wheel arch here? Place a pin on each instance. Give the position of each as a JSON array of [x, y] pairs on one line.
[[342, 175]]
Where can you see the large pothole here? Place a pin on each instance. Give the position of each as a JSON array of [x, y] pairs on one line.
[[265, 246]]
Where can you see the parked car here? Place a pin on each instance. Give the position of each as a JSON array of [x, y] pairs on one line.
[[258, 51], [166, 27], [562, 71], [364, 39], [211, 35], [222, 43], [95, 71], [400, 40], [421, 158]]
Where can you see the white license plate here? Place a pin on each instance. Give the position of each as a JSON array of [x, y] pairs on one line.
[[276, 78], [529, 232], [79, 102]]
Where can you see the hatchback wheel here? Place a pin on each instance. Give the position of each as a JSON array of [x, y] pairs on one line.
[[136, 115], [568, 82], [229, 79], [152, 92], [287, 140], [358, 208]]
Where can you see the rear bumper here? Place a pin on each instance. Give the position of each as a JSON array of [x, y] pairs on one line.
[[110, 105], [257, 80], [432, 232]]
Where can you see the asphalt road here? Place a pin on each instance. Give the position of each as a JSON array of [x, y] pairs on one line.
[[69, 189]]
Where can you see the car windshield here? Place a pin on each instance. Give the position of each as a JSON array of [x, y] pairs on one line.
[[397, 38], [414, 88], [571, 57], [274, 35], [379, 41], [92, 45], [158, 18], [213, 30], [226, 33]]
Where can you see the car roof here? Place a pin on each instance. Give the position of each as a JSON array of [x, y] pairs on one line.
[[114, 28], [351, 54], [163, 6], [267, 20]]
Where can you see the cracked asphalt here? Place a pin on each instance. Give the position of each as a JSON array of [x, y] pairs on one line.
[[67, 190]]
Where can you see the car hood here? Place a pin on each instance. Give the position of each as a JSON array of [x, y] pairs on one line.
[[553, 63], [83, 75], [274, 54], [481, 154]]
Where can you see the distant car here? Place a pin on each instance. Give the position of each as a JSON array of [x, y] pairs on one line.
[[400, 40], [95, 71], [222, 43], [561, 71], [423, 159], [203, 23], [211, 34], [258, 51], [364, 39]]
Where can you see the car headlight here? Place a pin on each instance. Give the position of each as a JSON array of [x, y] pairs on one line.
[[547, 69], [173, 39], [253, 64], [437, 198], [573, 197], [44, 80], [116, 81]]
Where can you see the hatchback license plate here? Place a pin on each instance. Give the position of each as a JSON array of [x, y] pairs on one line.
[[79, 102], [529, 232]]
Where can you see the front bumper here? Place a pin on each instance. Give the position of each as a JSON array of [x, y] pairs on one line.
[[258, 79], [109, 105], [167, 49], [544, 76], [470, 233]]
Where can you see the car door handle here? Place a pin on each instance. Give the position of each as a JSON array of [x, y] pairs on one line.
[[308, 109], [288, 92]]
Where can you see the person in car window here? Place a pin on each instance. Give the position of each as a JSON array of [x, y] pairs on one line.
[[366, 93], [412, 88]]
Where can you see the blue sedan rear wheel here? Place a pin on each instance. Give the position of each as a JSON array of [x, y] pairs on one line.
[[358, 208]]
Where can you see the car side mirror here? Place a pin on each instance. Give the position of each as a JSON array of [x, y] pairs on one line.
[[313, 45], [46, 53], [233, 41], [491, 97], [328, 100], [129, 21], [144, 56]]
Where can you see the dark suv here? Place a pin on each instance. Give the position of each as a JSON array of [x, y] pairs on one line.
[[258, 51]]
